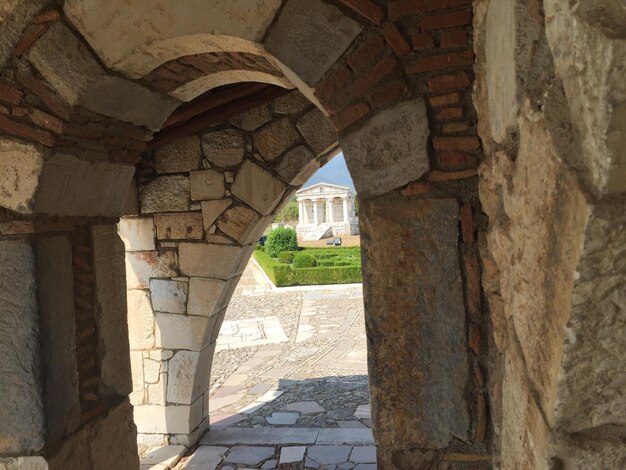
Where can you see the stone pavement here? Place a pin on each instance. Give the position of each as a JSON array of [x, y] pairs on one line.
[[289, 381]]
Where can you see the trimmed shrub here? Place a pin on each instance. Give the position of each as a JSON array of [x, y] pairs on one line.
[[259, 248], [285, 257], [281, 239], [304, 260]]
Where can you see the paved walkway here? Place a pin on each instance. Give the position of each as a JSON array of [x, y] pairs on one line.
[[289, 381]]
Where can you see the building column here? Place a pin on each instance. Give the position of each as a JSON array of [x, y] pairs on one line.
[[315, 213], [329, 204], [345, 209], [301, 212]]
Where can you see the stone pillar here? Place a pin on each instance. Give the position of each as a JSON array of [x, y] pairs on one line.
[[315, 212], [301, 209], [345, 210], [329, 203]]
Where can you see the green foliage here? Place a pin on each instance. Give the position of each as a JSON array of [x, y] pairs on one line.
[[259, 248], [285, 257], [281, 239], [304, 260], [289, 213]]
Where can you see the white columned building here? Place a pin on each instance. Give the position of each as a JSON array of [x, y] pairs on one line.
[[326, 210]]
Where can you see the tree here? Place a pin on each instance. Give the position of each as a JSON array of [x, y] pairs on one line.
[[289, 213]]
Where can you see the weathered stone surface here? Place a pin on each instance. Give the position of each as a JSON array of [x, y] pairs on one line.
[[182, 368], [140, 320], [55, 284], [14, 16], [24, 463], [309, 37], [297, 166], [239, 222], [272, 140], [72, 186], [203, 295], [165, 194], [592, 453], [168, 296], [389, 150], [143, 265], [224, 148], [179, 419], [22, 420], [248, 455], [110, 310], [175, 331], [293, 103], [179, 226], [181, 155], [20, 168], [418, 363], [211, 210], [258, 188], [137, 233], [203, 260], [206, 184], [318, 131], [253, 119]]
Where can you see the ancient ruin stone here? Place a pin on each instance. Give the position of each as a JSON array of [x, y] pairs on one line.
[[293, 103], [258, 188], [175, 331], [203, 295], [20, 167], [168, 296], [14, 16], [252, 119], [297, 166], [206, 184], [389, 150], [239, 222], [143, 265], [214, 261], [140, 320], [224, 148], [137, 233], [179, 226], [272, 140], [211, 210], [165, 194], [318, 131], [181, 155]]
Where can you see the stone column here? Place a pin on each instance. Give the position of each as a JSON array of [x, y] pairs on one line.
[[329, 203], [301, 212], [315, 213], [345, 209]]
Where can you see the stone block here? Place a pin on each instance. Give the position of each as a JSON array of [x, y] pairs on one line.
[[15, 15], [297, 166], [318, 131], [168, 296], [292, 103], [179, 226], [55, 282], [214, 261], [140, 320], [211, 210], [273, 139], [177, 419], [175, 331], [224, 148], [257, 188], [253, 119], [239, 222], [141, 266], [22, 421], [189, 375], [309, 36], [389, 150], [203, 296], [416, 300], [179, 156], [20, 168], [206, 184], [165, 194], [23, 463], [137, 233]]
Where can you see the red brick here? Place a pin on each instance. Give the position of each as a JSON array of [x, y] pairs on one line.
[[444, 100], [452, 175], [467, 223], [450, 113], [10, 94], [47, 121], [350, 115], [45, 94], [367, 9], [387, 93], [371, 77], [448, 82], [366, 53], [18, 111], [422, 41], [27, 132], [441, 61], [456, 143], [51, 15], [29, 39], [394, 38], [481, 421], [4, 110], [454, 38], [455, 127], [334, 81], [446, 20], [474, 339], [400, 8], [416, 188], [456, 159], [472, 286]]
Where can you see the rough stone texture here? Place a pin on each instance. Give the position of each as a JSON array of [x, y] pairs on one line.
[[214, 261], [181, 155], [592, 454], [165, 194], [297, 166], [211, 210], [14, 16], [24, 463], [140, 320], [293, 103], [189, 375], [175, 331], [224, 148], [203, 296], [137, 233], [20, 167], [22, 420], [272, 140], [418, 363], [309, 37], [72, 186], [179, 226], [143, 265], [389, 150], [55, 283], [257, 188], [181, 419], [206, 184], [240, 223], [168, 296], [318, 131], [253, 119]]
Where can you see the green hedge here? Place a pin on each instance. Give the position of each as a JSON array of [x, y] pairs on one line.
[[304, 260]]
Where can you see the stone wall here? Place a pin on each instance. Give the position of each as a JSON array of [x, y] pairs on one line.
[[550, 107]]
